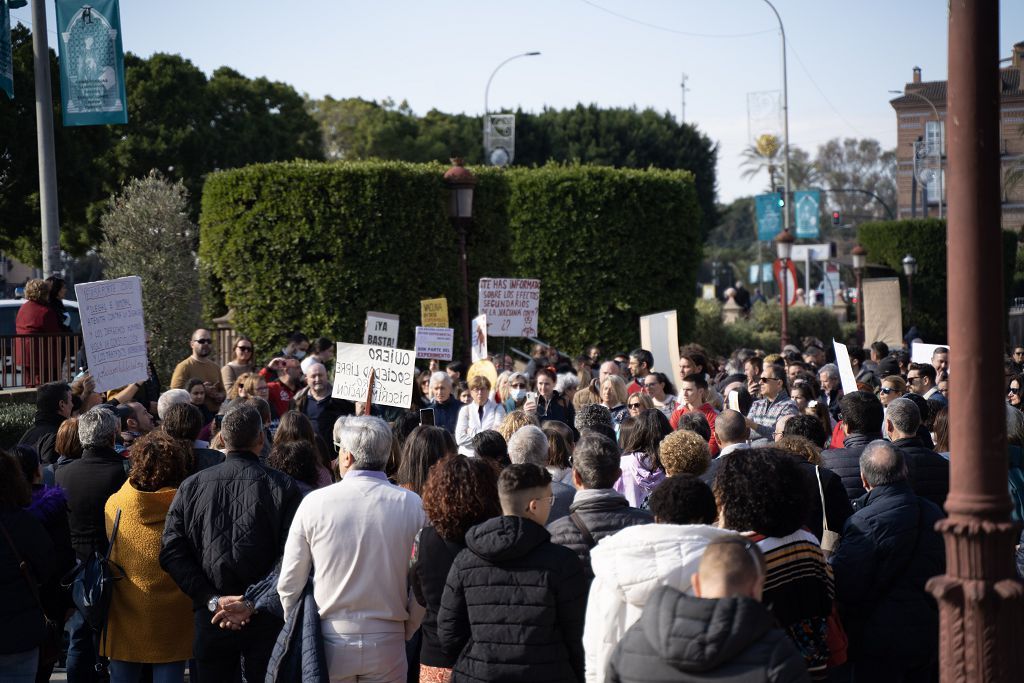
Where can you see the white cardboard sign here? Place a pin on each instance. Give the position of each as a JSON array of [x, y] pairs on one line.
[[478, 333], [510, 306], [381, 329], [659, 334], [392, 384], [435, 342], [114, 332], [845, 368], [922, 353]]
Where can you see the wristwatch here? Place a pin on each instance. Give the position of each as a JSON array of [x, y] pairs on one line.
[[213, 604]]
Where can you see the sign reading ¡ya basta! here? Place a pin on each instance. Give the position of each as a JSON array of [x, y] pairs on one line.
[[393, 377]]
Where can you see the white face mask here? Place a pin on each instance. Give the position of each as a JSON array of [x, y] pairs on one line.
[[517, 394], [300, 354]]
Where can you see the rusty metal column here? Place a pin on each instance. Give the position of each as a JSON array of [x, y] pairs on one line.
[[981, 605]]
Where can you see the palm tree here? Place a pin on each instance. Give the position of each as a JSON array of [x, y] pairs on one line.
[[764, 154]]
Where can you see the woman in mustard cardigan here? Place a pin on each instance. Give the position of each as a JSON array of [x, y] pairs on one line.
[[150, 619]]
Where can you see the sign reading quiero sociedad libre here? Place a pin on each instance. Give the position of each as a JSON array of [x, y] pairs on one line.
[[394, 370], [92, 88]]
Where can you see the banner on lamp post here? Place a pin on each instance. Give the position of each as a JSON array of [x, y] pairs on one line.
[[6, 55], [92, 88]]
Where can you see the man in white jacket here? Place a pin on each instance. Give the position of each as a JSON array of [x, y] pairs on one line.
[[629, 565], [357, 537]]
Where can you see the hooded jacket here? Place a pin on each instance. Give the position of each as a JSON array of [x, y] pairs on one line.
[[602, 512], [682, 638], [513, 605], [628, 567]]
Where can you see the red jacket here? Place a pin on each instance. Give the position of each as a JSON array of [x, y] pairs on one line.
[[709, 413], [33, 354]]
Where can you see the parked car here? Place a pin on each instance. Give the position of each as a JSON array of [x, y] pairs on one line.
[[9, 311]]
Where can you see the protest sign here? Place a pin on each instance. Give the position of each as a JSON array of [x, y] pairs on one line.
[[883, 312], [114, 332], [659, 334], [435, 342], [394, 370], [478, 333], [434, 312], [510, 306], [381, 329], [846, 375], [922, 353]]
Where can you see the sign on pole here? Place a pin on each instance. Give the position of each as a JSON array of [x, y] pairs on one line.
[[769, 216], [114, 332], [435, 342], [808, 204], [478, 333], [92, 88], [6, 57], [510, 306], [381, 329], [434, 312], [394, 370]]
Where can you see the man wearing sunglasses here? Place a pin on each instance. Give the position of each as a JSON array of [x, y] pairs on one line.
[[773, 404], [200, 366]]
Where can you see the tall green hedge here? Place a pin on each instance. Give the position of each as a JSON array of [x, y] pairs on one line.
[[887, 242], [313, 246]]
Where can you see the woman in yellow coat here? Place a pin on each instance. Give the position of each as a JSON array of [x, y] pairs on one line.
[[150, 619]]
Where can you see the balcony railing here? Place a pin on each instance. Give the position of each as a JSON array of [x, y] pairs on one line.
[[33, 359]]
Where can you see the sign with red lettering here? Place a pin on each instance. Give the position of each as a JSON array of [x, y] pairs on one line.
[[510, 306]]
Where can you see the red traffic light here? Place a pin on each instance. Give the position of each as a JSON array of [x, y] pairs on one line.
[[835, 218]]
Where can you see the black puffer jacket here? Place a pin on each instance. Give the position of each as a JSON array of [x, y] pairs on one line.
[[845, 462], [682, 638], [602, 512], [227, 526], [21, 621], [42, 436], [513, 606], [87, 483], [929, 471], [889, 550]]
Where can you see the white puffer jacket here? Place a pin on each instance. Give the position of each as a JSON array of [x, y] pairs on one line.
[[628, 566]]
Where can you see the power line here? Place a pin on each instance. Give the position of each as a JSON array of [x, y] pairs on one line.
[[672, 30]]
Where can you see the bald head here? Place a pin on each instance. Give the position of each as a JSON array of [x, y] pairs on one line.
[[609, 368], [881, 463], [730, 567], [731, 428]]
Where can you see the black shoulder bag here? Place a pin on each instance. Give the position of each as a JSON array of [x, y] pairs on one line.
[[92, 582]]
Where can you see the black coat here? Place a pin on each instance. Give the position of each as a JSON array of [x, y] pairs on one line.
[[50, 506], [929, 471], [87, 483], [513, 606], [603, 513], [42, 436], [205, 457], [556, 409], [682, 638], [432, 560], [333, 409], [446, 414], [845, 462], [889, 550], [21, 620], [227, 526], [837, 506]]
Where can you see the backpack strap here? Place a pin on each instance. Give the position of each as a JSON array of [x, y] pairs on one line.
[[588, 537]]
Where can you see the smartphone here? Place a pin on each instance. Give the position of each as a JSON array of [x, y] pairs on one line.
[[426, 416], [531, 396]]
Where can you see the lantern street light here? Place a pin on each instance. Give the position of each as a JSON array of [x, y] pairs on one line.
[[460, 184], [783, 249], [910, 270], [860, 257]]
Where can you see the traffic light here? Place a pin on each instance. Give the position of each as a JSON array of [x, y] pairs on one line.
[[781, 192], [836, 222]]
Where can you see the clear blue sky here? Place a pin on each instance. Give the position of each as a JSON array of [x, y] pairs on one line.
[[843, 56]]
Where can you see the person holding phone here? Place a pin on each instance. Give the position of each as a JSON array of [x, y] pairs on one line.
[[479, 414], [546, 402]]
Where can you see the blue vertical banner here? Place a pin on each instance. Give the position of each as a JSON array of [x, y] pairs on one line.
[[6, 56], [769, 216], [807, 205], [92, 89]]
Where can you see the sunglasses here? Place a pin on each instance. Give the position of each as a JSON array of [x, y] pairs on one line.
[[765, 379], [886, 390], [636, 406], [244, 348], [202, 341]]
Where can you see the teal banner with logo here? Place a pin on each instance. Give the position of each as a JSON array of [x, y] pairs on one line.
[[91, 63], [6, 57], [807, 205], [769, 216]]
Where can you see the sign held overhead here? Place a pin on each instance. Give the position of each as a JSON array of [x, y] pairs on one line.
[[114, 331], [510, 306], [394, 370]]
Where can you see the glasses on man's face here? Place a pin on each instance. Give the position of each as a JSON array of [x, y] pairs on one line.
[[765, 379], [911, 380], [202, 341]]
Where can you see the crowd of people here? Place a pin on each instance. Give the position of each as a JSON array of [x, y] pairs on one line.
[[587, 519]]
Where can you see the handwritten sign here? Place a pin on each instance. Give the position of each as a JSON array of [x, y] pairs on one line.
[[435, 342], [114, 332], [510, 306], [381, 329], [434, 312], [394, 370]]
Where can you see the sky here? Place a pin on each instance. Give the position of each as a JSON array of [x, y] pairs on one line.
[[843, 57]]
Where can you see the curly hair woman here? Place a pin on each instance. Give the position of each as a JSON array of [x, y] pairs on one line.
[[763, 496], [459, 493]]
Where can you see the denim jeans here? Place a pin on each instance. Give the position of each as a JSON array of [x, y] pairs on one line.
[[82, 648], [129, 672], [19, 667]]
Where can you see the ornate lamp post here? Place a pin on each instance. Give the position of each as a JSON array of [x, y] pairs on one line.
[[860, 257], [783, 248], [460, 184], [910, 270]]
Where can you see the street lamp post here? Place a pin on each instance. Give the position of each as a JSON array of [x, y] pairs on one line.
[[910, 270], [487, 88], [785, 119], [460, 184], [783, 248], [939, 121], [860, 257]]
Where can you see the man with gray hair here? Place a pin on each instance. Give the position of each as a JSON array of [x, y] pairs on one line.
[[225, 531], [889, 549], [831, 388], [87, 483], [357, 537], [929, 471], [530, 445], [446, 404], [169, 398]]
